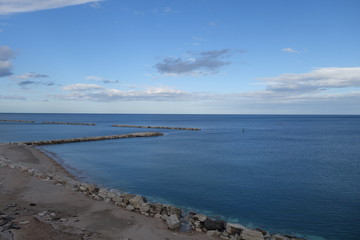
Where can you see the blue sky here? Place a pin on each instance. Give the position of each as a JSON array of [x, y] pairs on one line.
[[180, 56]]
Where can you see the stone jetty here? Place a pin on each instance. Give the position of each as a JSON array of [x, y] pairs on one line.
[[174, 217], [68, 123], [23, 121], [98, 138], [176, 128]]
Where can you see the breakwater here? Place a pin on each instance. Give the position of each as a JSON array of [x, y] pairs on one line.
[[68, 123], [173, 216], [98, 138], [158, 127], [24, 121]]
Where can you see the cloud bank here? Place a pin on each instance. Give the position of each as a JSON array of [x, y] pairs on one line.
[[203, 63], [319, 85], [6, 55], [19, 6], [317, 80], [334, 84], [93, 92]]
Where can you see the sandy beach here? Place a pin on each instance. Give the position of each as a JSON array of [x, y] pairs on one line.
[[34, 208]]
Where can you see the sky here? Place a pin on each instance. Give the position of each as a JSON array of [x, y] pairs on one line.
[[180, 56]]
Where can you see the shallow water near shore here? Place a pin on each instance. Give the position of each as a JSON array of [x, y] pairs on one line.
[[291, 174]]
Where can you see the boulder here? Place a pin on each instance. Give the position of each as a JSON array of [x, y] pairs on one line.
[[72, 185], [210, 224], [279, 237], [137, 201], [144, 208], [156, 208], [58, 179], [250, 234], [130, 207], [118, 200], [174, 210], [127, 197], [200, 217], [102, 193], [173, 222], [233, 228]]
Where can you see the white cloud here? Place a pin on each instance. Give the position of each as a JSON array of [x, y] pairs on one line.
[[317, 80], [98, 78], [100, 94], [18, 6], [319, 85], [289, 50], [82, 87]]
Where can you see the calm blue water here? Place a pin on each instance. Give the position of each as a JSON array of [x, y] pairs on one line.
[[292, 174]]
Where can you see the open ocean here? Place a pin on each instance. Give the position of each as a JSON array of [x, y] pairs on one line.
[[296, 174]]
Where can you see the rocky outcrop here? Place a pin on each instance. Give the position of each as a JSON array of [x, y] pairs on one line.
[[88, 139], [175, 128], [68, 123]]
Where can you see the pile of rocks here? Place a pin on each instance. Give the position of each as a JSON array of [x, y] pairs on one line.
[[175, 128], [170, 214], [89, 139], [221, 229], [24, 121], [68, 123]]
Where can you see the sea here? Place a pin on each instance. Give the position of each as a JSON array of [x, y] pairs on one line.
[[294, 174]]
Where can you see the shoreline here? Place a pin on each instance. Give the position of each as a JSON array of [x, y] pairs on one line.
[[48, 169]]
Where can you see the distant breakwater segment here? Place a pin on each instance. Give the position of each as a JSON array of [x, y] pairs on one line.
[[25, 121], [176, 128], [98, 138], [67, 123]]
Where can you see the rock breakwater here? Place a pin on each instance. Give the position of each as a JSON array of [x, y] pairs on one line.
[[68, 123], [158, 127], [22, 121], [172, 216], [98, 138]]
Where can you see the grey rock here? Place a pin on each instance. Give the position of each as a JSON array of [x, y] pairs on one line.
[[250, 234], [102, 193], [127, 197], [210, 224], [173, 222], [72, 185], [156, 208], [233, 228], [200, 217], [130, 207], [137, 201], [144, 208], [279, 237]]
